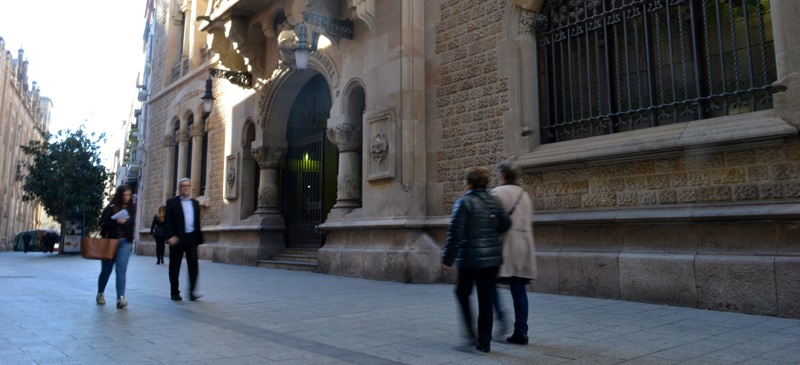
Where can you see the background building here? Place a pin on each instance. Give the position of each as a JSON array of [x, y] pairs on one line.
[[22, 110], [658, 139]]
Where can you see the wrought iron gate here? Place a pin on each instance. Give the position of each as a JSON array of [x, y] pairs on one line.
[[308, 173], [303, 194]]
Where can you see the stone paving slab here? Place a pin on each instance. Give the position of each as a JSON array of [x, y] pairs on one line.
[[251, 315]]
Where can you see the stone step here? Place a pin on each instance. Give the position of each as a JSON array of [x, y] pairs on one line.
[[293, 257], [288, 265], [301, 251]]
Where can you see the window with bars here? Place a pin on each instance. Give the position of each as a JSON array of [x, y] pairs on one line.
[[610, 66]]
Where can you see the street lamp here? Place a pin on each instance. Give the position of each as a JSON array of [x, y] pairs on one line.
[[208, 100], [302, 51], [333, 27]]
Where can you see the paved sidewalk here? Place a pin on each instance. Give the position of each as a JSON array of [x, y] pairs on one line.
[[251, 315]]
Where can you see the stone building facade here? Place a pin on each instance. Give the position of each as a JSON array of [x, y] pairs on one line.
[[22, 110], [658, 138]]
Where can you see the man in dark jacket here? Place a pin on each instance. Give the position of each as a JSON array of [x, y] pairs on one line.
[[182, 224], [473, 243]]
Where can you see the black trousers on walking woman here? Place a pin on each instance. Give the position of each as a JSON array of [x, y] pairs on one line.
[[160, 240], [484, 282]]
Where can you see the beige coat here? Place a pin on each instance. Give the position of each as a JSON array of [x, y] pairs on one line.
[[519, 252]]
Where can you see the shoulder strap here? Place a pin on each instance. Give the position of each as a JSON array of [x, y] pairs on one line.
[[510, 212], [486, 206]]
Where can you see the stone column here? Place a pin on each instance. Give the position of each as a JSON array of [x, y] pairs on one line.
[[196, 130], [787, 58], [347, 137], [268, 159], [183, 150], [169, 144]]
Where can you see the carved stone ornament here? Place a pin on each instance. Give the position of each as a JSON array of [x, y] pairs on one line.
[[232, 161], [526, 21], [379, 147], [267, 157], [196, 129], [346, 136], [183, 135], [348, 187], [169, 140]]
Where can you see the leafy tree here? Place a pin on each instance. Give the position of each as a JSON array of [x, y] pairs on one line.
[[66, 175]]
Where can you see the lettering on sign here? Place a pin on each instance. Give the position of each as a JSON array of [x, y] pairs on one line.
[[326, 65]]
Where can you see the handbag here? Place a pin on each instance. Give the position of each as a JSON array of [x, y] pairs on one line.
[[95, 248]]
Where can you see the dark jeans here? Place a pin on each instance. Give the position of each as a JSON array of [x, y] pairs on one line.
[[160, 247], [520, 297], [176, 253], [483, 280]]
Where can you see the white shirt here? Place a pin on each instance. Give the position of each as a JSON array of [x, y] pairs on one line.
[[188, 214]]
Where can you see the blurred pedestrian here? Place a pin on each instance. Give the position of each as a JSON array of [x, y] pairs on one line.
[[117, 222], [26, 240], [519, 252], [48, 242], [158, 232], [473, 243], [182, 224]]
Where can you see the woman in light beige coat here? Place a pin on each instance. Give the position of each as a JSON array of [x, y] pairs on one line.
[[519, 254]]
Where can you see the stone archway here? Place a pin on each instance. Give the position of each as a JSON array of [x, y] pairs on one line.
[[308, 172]]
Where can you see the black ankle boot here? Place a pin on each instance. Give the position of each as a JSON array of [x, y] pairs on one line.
[[518, 338]]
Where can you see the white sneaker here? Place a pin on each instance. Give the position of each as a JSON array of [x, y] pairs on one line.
[[100, 298], [122, 302]]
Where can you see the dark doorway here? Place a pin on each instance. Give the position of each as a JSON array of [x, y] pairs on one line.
[[308, 173]]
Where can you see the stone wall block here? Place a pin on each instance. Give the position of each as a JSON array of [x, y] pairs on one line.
[[786, 278], [740, 238], [744, 284], [592, 274], [547, 271], [658, 278]]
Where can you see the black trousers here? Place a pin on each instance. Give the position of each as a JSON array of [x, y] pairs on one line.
[[160, 247], [484, 281], [188, 247]]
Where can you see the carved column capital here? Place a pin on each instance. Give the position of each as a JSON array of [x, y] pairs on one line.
[[169, 140], [197, 129], [346, 136], [182, 135], [267, 157]]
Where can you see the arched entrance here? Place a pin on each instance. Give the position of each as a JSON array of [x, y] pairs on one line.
[[308, 173]]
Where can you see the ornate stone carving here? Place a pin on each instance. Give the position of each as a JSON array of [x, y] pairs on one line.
[[365, 10], [183, 135], [268, 92], [267, 195], [348, 187], [379, 147], [232, 161], [267, 157], [196, 130], [526, 21], [287, 41], [169, 140], [346, 136]]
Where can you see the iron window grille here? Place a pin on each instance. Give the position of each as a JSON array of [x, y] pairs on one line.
[[609, 66]]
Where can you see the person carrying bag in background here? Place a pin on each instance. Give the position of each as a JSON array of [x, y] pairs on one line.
[[117, 222], [519, 253]]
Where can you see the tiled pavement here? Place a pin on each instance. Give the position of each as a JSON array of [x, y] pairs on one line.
[[251, 315]]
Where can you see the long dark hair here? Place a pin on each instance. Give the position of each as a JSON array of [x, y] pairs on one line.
[[118, 202]]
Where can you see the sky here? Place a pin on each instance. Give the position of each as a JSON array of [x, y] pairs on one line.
[[85, 56]]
